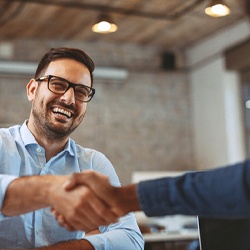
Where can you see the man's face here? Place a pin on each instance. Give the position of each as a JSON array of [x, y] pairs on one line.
[[57, 115]]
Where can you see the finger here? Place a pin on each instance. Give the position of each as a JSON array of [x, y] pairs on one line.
[[63, 223], [79, 178], [86, 218], [80, 218], [54, 212], [81, 222], [103, 211], [71, 182], [97, 213]]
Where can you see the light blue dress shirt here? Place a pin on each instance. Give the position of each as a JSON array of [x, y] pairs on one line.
[[21, 155]]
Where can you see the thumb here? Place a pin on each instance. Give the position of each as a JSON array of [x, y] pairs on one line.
[[71, 182], [77, 179]]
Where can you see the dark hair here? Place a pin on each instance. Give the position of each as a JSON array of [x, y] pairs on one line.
[[60, 53]]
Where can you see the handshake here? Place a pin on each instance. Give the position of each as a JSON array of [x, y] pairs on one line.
[[81, 201], [97, 203]]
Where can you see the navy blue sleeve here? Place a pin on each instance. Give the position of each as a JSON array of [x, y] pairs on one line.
[[222, 192]]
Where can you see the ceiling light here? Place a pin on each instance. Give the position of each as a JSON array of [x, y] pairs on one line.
[[104, 25], [217, 8]]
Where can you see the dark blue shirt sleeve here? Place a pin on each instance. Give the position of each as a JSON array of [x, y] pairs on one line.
[[220, 193]]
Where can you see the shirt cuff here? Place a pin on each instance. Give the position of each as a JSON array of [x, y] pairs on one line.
[[153, 196], [98, 241], [5, 180]]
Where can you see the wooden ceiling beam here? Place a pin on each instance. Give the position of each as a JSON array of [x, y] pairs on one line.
[[238, 57]]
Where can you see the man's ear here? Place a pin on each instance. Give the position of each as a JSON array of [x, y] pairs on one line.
[[31, 89]]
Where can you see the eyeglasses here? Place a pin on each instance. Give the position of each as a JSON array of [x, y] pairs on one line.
[[59, 85]]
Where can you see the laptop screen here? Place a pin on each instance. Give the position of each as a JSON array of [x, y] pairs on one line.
[[222, 234]]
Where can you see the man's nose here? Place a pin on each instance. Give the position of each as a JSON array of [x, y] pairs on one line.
[[69, 96]]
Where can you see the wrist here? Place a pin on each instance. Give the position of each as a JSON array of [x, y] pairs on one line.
[[127, 199], [54, 188]]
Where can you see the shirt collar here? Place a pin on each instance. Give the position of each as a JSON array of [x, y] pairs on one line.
[[29, 139]]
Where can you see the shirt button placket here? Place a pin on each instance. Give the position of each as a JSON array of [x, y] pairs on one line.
[[40, 157]]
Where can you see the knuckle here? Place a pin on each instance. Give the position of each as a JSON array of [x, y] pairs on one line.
[[74, 175]]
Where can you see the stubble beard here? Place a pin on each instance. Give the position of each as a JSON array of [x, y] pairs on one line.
[[47, 129]]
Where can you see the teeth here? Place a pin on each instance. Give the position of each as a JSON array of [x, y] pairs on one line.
[[62, 111]]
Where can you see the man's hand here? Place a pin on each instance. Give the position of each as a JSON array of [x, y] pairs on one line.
[[100, 185], [81, 208], [121, 200], [116, 201]]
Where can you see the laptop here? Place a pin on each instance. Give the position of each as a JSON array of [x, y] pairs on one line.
[[224, 234]]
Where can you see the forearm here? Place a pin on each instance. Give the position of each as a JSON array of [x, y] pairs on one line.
[[29, 193], [81, 209], [222, 192]]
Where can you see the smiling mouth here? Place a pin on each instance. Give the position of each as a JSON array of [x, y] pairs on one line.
[[63, 112]]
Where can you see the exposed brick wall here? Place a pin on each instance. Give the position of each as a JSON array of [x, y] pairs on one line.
[[143, 123]]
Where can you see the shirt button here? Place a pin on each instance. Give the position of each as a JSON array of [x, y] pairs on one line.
[[37, 231], [39, 150]]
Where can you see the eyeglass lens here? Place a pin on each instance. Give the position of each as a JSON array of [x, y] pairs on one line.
[[60, 86]]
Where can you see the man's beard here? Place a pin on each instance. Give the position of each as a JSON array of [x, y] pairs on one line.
[[47, 129]]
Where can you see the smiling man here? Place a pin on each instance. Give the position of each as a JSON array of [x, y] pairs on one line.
[[71, 81], [37, 158]]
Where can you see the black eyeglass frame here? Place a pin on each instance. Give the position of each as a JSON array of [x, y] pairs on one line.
[[70, 85]]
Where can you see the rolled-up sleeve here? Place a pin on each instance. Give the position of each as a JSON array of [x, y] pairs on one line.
[[5, 180], [123, 235]]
